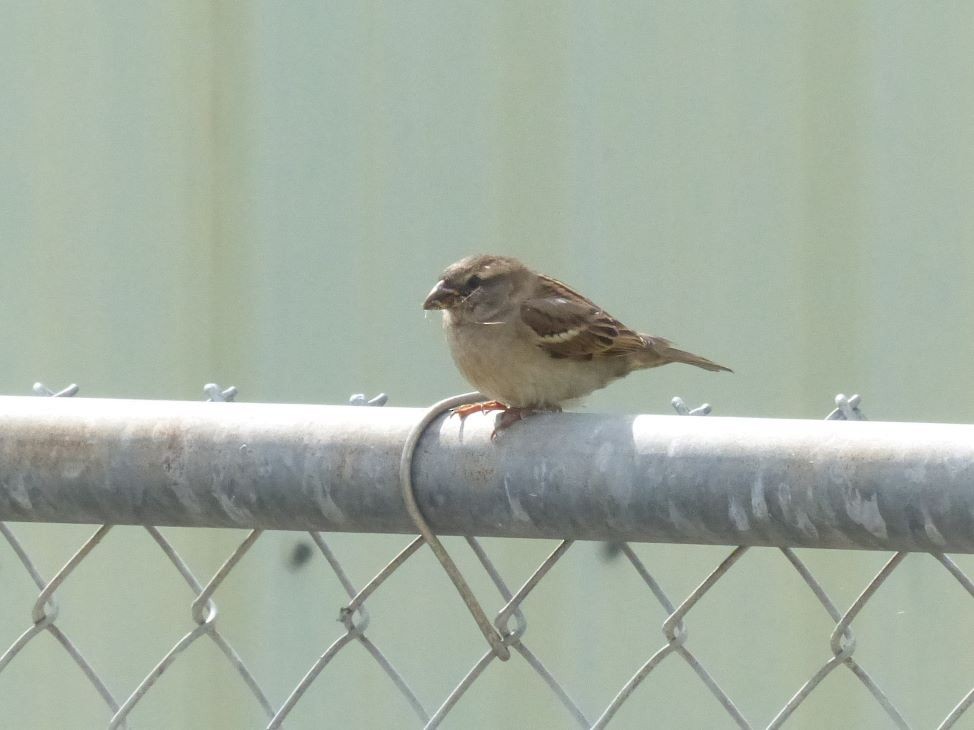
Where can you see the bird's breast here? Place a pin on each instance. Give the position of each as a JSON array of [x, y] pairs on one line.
[[507, 365]]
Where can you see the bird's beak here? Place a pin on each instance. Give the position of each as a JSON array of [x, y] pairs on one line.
[[441, 297]]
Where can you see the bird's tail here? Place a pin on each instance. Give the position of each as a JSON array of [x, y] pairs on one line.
[[674, 355], [660, 352]]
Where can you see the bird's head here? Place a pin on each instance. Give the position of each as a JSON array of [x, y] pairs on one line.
[[478, 288]]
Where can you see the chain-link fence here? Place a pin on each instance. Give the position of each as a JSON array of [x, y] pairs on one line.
[[585, 618]]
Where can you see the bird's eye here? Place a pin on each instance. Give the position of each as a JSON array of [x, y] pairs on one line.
[[473, 282]]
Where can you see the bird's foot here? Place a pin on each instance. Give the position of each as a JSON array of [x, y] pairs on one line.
[[510, 416], [486, 407]]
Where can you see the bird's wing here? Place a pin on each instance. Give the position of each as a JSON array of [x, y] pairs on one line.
[[568, 325]]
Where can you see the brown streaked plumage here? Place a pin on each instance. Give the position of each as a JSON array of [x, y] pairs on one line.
[[531, 342]]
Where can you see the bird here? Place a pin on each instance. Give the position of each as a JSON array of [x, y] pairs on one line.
[[530, 343]]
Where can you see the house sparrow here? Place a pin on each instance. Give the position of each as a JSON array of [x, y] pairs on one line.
[[530, 343]]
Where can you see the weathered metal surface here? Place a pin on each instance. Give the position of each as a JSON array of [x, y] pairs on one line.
[[838, 484]]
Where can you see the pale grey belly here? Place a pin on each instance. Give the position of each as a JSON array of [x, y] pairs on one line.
[[519, 373]]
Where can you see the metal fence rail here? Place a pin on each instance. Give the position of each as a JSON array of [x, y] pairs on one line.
[[724, 481], [865, 485]]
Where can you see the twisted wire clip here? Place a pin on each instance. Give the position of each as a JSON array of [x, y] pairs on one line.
[[215, 394], [847, 409], [41, 389], [358, 399], [680, 406]]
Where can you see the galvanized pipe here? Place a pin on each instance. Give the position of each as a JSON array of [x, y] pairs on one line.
[[747, 481]]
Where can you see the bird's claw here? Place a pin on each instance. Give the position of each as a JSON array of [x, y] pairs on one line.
[[486, 406], [510, 416]]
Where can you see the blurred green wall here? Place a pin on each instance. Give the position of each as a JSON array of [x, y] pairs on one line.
[[261, 194]]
